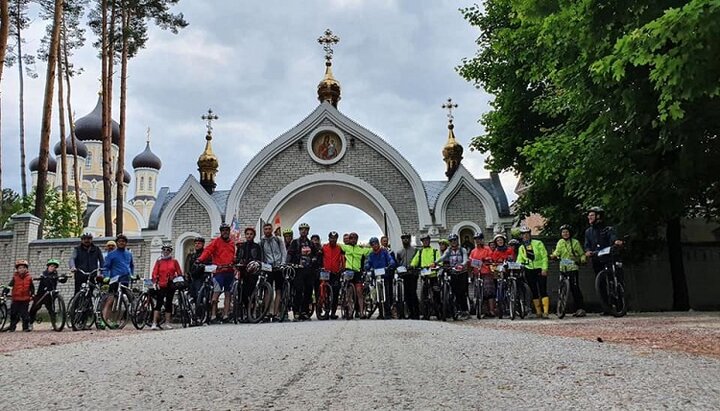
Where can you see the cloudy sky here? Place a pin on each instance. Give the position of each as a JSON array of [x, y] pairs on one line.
[[257, 65]]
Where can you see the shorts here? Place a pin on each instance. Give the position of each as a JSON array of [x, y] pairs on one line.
[[223, 282], [277, 279], [165, 298], [114, 286]]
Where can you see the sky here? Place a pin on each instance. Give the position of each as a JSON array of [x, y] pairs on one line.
[[257, 65]]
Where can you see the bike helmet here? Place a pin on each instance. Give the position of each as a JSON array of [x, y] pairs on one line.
[[121, 237], [524, 229], [111, 243], [479, 236], [250, 229], [304, 225], [597, 210], [425, 237], [224, 226], [333, 234], [513, 242], [86, 235], [252, 267], [167, 247], [453, 237], [199, 240], [374, 240], [287, 231], [20, 262], [405, 235], [53, 261], [566, 227], [444, 241], [499, 236]]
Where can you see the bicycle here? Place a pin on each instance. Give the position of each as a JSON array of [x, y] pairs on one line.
[[119, 312], [566, 265], [429, 301], [611, 279], [368, 295], [143, 306], [377, 290], [398, 289], [517, 293], [448, 307], [323, 305], [54, 303], [502, 302], [83, 309], [185, 306], [3, 309], [260, 299], [288, 292], [347, 297], [203, 305]]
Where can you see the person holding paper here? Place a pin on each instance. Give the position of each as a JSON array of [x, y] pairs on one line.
[[480, 257]]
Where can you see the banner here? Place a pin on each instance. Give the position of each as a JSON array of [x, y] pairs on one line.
[[235, 233]]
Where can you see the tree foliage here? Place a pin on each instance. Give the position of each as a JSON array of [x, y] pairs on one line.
[[9, 205], [61, 220]]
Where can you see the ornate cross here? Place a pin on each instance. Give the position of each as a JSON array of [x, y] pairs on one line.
[[449, 106], [328, 40], [209, 117], [147, 133]]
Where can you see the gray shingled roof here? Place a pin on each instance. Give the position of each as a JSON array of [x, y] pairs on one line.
[[220, 198], [492, 185]]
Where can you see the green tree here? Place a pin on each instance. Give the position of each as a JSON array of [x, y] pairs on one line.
[[61, 220], [9, 205], [605, 103]]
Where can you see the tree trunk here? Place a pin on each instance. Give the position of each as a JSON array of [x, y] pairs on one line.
[[47, 116], [4, 33], [106, 55], [119, 206], [681, 299], [21, 114], [71, 122], [61, 120]]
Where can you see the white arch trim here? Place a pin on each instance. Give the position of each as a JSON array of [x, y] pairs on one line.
[[465, 224], [191, 187], [338, 179], [98, 213], [179, 245], [462, 178], [305, 128]]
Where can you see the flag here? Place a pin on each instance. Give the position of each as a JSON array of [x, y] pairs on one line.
[[235, 229], [276, 223]]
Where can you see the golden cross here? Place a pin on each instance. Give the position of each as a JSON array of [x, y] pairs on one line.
[[449, 106], [328, 40]]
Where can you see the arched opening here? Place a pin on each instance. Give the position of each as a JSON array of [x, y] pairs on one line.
[[341, 218]]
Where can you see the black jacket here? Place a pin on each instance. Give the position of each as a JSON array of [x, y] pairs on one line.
[[86, 259], [599, 236], [195, 271], [248, 251], [294, 254]]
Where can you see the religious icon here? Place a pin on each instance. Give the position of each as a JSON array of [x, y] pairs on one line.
[[327, 146]]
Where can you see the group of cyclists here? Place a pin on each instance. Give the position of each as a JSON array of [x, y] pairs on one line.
[[332, 274]]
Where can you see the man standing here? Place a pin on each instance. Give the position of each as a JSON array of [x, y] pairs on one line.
[[304, 253], [380, 258], [410, 278], [456, 258], [274, 254], [119, 263], [425, 258], [195, 271], [354, 261], [599, 236], [222, 252], [247, 252], [86, 257], [333, 263]]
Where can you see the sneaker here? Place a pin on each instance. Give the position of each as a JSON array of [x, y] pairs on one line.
[[167, 326], [29, 327], [580, 313], [154, 327]]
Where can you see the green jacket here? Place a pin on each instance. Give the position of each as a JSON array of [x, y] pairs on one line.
[[540, 259], [424, 257], [354, 256], [569, 250]]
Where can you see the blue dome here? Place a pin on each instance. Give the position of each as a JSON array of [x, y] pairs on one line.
[[35, 164], [147, 159], [81, 148], [89, 128]]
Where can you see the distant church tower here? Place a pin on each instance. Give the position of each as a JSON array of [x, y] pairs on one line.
[[147, 168], [208, 162], [453, 151]]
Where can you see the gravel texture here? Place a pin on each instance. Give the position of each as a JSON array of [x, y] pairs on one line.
[[353, 365]]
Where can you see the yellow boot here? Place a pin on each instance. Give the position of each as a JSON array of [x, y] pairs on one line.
[[545, 307], [538, 310]]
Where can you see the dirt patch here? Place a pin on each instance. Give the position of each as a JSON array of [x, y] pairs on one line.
[[43, 336], [694, 333]]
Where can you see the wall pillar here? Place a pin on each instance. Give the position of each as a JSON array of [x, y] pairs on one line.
[[25, 230]]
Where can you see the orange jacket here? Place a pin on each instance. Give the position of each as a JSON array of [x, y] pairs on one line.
[[22, 287], [483, 254], [165, 270], [500, 256]]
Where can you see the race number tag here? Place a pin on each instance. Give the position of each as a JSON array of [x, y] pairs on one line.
[[604, 251], [115, 279], [567, 263], [401, 269], [512, 265], [476, 263], [210, 268], [178, 280], [379, 271], [349, 274], [425, 271], [266, 267], [324, 275]]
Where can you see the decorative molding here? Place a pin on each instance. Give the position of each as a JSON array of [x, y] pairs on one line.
[[462, 177], [323, 129], [190, 187]]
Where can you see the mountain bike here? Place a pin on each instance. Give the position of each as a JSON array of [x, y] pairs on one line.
[[3, 309], [517, 292], [398, 294], [377, 290], [566, 265], [428, 297], [609, 282], [203, 305], [448, 308], [502, 302], [261, 298], [369, 295], [119, 312], [83, 310], [141, 313], [288, 292], [347, 297], [323, 305], [185, 308], [54, 302]]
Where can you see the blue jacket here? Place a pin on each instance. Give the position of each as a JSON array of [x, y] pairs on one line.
[[382, 259], [119, 263]]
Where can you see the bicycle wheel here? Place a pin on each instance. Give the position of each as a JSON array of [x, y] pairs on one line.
[[601, 287], [618, 308], [523, 296], [513, 299], [369, 302], [447, 309], [81, 313], [201, 307], [141, 311], [323, 307], [478, 297], [259, 302], [237, 311], [500, 301], [563, 290], [400, 308], [3, 316], [117, 315], [347, 305], [380, 299], [57, 312], [426, 301]]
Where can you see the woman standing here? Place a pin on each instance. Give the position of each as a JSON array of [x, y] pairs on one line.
[[570, 253], [165, 270], [533, 255]]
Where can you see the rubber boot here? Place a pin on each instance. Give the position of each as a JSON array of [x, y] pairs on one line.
[[545, 307], [538, 309]]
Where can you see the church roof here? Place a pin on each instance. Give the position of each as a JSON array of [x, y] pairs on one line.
[[35, 164], [82, 150], [493, 186], [89, 127], [147, 159]]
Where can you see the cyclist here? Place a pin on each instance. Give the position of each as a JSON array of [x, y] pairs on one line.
[[533, 255], [569, 248], [443, 244], [196, 272], [332, 262], [380, 258], [404, 257], [221, 251], [503, 252], [288, 237], [480, 258], [109, 246], [273, 254], [354, 261], [456, 258], [22, 292], [86, 257], [304, 253], [246, 252], [119, 263], [165, 270], [599, 236], [48, 282], [425, 258]]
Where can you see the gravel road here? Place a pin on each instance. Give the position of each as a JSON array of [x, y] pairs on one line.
[[353, 365]]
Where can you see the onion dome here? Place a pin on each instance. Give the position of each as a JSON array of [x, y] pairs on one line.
[[82, 150], [89, 127], [452, 151], [35, 164], [329, 89], [147, 159], [126, 177]]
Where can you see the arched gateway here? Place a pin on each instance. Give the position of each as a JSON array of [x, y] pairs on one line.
[[330, 159]]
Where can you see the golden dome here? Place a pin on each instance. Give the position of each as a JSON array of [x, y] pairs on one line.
[[452, 152], [329, 88]]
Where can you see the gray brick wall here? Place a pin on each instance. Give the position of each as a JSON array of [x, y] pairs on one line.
[[360, 161], [465, 206], [191, 216]]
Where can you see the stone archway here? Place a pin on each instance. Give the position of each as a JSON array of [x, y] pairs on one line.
[[309, 192]]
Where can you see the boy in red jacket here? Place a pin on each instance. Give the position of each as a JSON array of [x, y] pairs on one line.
[[165, 270], [22, 293]]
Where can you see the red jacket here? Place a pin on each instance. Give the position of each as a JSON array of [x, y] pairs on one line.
[[165, 270], [222, 253], [499, 256], [483, 254], [22, 287], [333, 260]]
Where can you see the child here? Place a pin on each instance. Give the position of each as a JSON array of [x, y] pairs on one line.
[[48, 282], [22, 292]]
